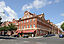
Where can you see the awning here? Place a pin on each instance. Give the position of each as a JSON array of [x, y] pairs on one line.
[[28, 31]]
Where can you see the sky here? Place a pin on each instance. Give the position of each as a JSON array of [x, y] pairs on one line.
[[53, 9]]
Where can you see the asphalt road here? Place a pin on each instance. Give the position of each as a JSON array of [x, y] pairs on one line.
[[32, 41]]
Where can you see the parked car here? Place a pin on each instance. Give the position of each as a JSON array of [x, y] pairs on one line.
[[48, 35], [61, 36], [25, 36], [51, 34], [16, 35]]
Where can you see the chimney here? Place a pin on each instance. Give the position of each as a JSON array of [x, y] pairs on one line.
[[25, 12], [13, 19], [51, 23], [48, 21]]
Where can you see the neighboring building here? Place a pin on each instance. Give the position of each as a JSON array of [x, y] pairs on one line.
[[35, 25]]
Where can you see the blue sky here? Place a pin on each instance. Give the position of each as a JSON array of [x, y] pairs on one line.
[[53, 9]]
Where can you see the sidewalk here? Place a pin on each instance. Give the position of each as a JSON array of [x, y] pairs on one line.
[[36, 37]]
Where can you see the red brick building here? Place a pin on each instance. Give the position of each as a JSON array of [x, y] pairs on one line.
[[32, 24], [36, 25]]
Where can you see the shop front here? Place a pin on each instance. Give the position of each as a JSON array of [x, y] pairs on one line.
[[30, 33]]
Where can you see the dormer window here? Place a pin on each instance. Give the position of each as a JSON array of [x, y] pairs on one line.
[[27, 16], [27, 20]]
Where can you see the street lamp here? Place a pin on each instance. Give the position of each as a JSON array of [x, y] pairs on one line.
[[1, 18]]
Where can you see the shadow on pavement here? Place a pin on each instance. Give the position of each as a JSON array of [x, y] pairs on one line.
[[7, 38]]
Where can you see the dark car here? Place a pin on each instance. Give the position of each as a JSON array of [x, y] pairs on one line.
[[16, 35], [61, 36], [48, 35], [51, 34], [25, 36]]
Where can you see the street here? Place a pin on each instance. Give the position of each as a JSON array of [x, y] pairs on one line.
[[33, 41]]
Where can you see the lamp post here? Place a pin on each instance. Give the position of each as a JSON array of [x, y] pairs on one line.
[[1, 18]]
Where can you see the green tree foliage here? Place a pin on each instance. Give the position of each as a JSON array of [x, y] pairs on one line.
[[62, 26], [3, 28], [12, 27]]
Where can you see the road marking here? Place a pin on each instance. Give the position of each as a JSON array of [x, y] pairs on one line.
[[26, 41], [41, 43]]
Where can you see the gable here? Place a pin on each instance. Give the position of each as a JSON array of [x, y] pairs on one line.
[[27, 15]]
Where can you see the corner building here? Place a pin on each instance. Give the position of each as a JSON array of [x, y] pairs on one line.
[[36, 25]]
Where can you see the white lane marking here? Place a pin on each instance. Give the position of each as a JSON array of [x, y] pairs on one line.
[[41, 43], [2, 39], [26, 41]]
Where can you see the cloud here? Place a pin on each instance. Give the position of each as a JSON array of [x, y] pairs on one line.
[[59, 25], [38, 4], [27, 7], [57, 1], [62, 14], [50, 2], [11, 13], [35, 4]]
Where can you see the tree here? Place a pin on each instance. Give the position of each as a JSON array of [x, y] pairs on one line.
[[62, 26], [11, 27], [4, 29]]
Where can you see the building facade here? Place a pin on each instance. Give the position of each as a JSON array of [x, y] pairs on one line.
[[34, 25]]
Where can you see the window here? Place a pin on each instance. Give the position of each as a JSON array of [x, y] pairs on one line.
[[27, 26], [30, 20], [24, 21], [24, 26], [31, 15], [34, 25], [19, 27], [27, 16], [33, 19], [27, 20], [19, 22], [30, 26]]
